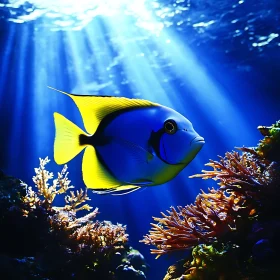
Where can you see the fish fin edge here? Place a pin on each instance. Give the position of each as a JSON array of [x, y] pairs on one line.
[[118, 190]]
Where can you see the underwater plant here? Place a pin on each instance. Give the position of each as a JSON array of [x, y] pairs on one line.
[[44, 241], [243, 213]]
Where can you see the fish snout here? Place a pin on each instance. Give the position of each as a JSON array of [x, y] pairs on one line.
[[197, 140]]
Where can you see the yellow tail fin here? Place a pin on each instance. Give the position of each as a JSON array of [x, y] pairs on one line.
[[66, 144]]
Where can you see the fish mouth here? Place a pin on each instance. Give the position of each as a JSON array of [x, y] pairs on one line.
[[198, 139]]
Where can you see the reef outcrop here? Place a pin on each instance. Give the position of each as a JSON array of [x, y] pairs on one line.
[[42, 241], [232, 230]]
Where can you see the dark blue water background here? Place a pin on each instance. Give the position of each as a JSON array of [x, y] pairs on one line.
[[224, 76]]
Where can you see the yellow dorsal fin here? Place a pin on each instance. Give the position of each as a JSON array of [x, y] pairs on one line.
[[95, 175], [94, 108]]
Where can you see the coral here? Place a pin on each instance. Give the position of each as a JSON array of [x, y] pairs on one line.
[[176, 271], [213, 215], [269, 146], [58, 242], [208, 262], [46, 193], [247, 175], [242, 211]]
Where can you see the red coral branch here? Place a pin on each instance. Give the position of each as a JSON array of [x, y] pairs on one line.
[[213, 215], [244, 179], [246, 173]]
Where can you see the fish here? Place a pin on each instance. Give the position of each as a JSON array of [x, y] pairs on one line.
[[128, 143]]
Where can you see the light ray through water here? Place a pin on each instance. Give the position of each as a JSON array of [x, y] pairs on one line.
[[92, 52], [116, 55], [20, 78], [92, 56]]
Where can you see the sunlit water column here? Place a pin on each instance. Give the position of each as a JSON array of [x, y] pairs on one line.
[[6, 99], [212, 99], [49, 70], [16, 94], [147, 81]]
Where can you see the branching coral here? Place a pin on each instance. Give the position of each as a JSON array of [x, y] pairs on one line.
[[67, 245], [249, 183], [46, 193], [246, 174], [213, 215], [82, 230], [101, 236]]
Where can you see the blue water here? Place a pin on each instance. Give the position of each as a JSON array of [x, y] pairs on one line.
[[216, 62]]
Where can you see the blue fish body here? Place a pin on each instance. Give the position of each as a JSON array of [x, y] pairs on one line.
[[129, 143], [133, 156]]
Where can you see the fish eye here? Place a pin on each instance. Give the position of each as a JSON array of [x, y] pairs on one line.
[[170, 126]]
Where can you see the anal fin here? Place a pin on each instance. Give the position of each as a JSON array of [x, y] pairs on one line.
[[95, 175], [97, 178]]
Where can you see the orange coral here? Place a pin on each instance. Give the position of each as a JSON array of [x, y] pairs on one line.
[[101, 235], [213, 215], [232, 231], [246, 174], [244, 179], [246, 168]]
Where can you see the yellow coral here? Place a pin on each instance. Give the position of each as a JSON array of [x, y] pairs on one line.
[[82, 231], [46, 193]]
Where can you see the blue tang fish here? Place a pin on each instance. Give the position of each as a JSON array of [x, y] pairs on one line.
[[129, 143]]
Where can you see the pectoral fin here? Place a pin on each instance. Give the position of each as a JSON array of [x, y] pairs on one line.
[[138, 153]]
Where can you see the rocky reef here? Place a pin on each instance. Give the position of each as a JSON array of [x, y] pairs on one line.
[[42, 241], [232, 230]]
